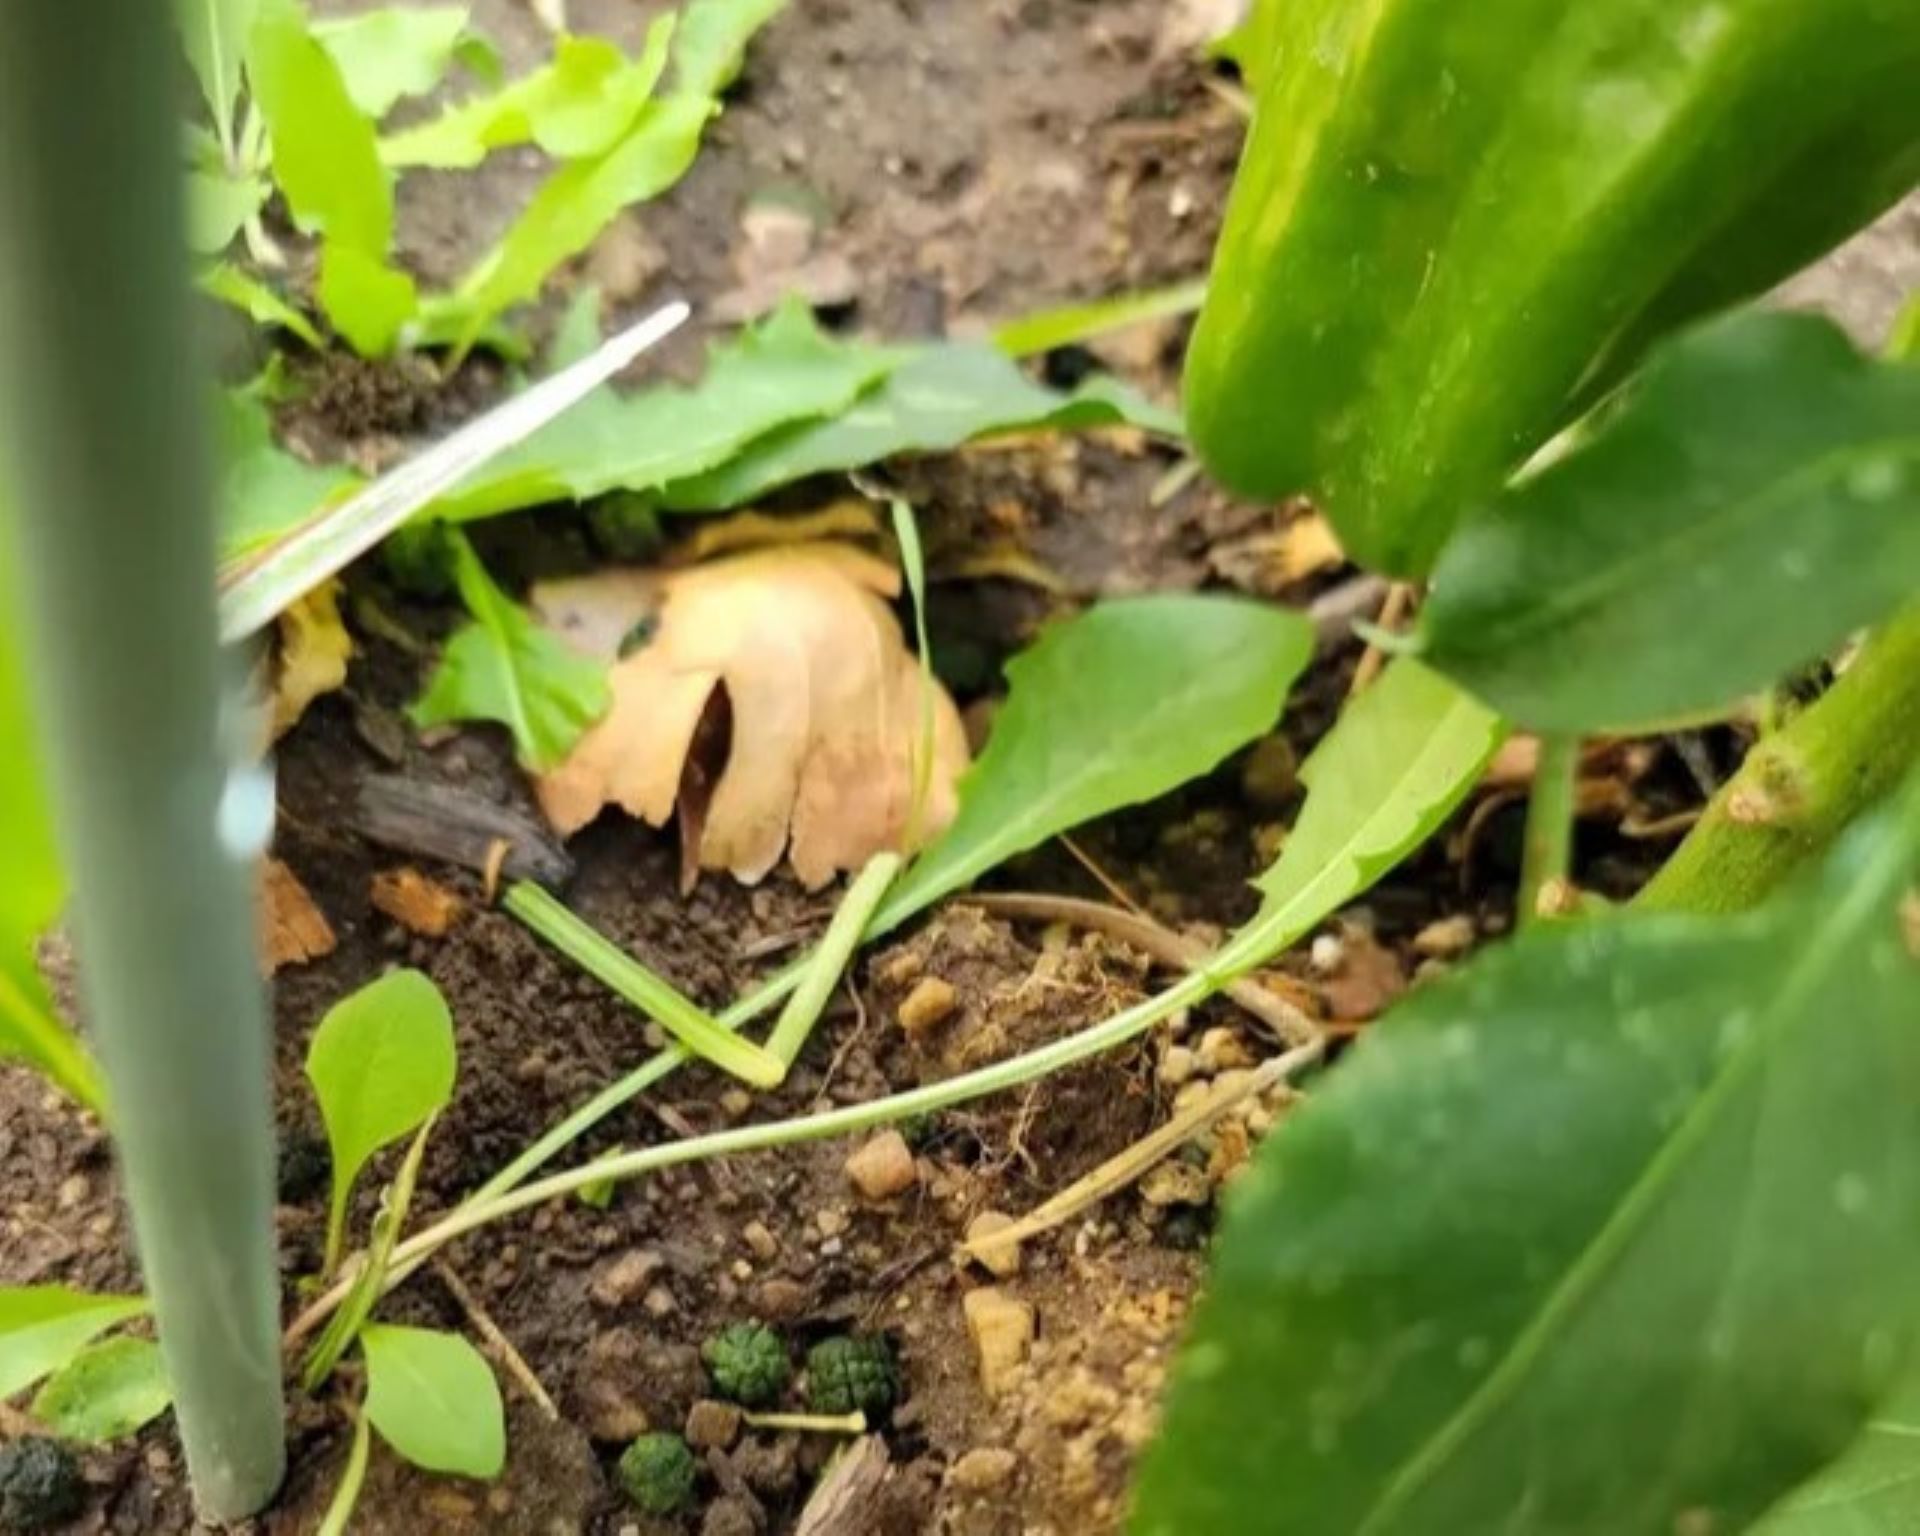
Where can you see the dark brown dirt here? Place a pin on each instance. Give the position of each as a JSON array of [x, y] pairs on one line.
[[967, 159]]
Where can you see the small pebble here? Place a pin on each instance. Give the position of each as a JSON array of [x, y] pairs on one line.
[[1445, 938], [930, 1003], [1222, 1050], [659, 1302], [1002, 1328], [983, 1469], [1001, 1260], [831, 1221], [761, 1242], [1177, 1065], [1326, 953], [735, 1103], [712, 1425], [626, 1278], [882, 1167]]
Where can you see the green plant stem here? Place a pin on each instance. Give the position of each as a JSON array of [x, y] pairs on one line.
[[160, 809], [696, 1029], [828, 961], [1801, 785], [1548, 852], [851, 1120]]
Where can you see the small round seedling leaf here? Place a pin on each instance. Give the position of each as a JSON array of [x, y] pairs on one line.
[[42, 1327], [380, 1063], [434, 1400], [106, 1392]]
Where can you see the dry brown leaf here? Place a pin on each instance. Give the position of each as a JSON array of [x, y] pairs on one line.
[[416, 903], [312, 655], [822, 693], [292, 929]]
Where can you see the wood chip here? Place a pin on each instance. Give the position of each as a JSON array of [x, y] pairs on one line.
[[416, 903], [293, 930], [437, 821]]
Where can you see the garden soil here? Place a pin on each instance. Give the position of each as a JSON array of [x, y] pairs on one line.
[[923, 167]]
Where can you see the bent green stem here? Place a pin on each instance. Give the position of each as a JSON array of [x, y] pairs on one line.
[[829, 959], [1801, 785], [696, 1029], [1548, 852]]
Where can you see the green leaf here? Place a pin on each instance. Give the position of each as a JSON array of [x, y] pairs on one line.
[[1873, 1489], [393, 53], [1129, 700], [712, 45], [42, 1327], [1073, 323], [32, 887], [785, 369], [381, 1064], [571, 208], [367, 301], [253, 298], [504, 667], [434, 1400], [940, 399], [1610, 1231], [1752, 502], [214, 34], [218, 207], [264, 490], [1400, 758], [579, 104], [325, 160], [106, 1392]]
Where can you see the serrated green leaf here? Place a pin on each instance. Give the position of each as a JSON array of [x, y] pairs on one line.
[[367, 301], [264, 490], [325, 160], [1872, 1490], [784, 369], [1397, 762], [434, 1400], [1755, 500], [381, 1064], [1611, 1231], [214, 35], [580, 103], [218, 207], [712, 45], [259, 303], [571, 208], [106, 1392], [1129, 700], [42, 1327], [389, 54], [941, 398], [32, 887], [504, 667]]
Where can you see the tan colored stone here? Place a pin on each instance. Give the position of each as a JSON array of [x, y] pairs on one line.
[[626, 1278], [712, 1425], [1002, 1328], [928, 1005], [983, 1470], [882, 1167], [1002, 1260]]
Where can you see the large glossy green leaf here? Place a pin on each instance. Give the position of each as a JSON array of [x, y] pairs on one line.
[[502, 666], [324, 158], [1755, 500], [106, 1392], [1129, 700], [942, 398], [434, 1400], [31, 886], [381, 1064], [1450, 219], [1611, 1231], [579, 103], [389, 54], [782, 370], [42, 1327], [214, 34], [1873, 1490], [1397, 762]]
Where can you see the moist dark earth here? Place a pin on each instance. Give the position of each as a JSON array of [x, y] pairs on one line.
[[963, 161]]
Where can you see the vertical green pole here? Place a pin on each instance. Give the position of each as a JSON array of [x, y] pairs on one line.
[[102, 416]]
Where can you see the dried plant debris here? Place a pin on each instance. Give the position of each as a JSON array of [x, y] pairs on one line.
[[768, 699]]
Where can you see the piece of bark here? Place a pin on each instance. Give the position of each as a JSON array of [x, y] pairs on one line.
[[842, 1505], [416, 903], [292, 929], [455, 826]]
